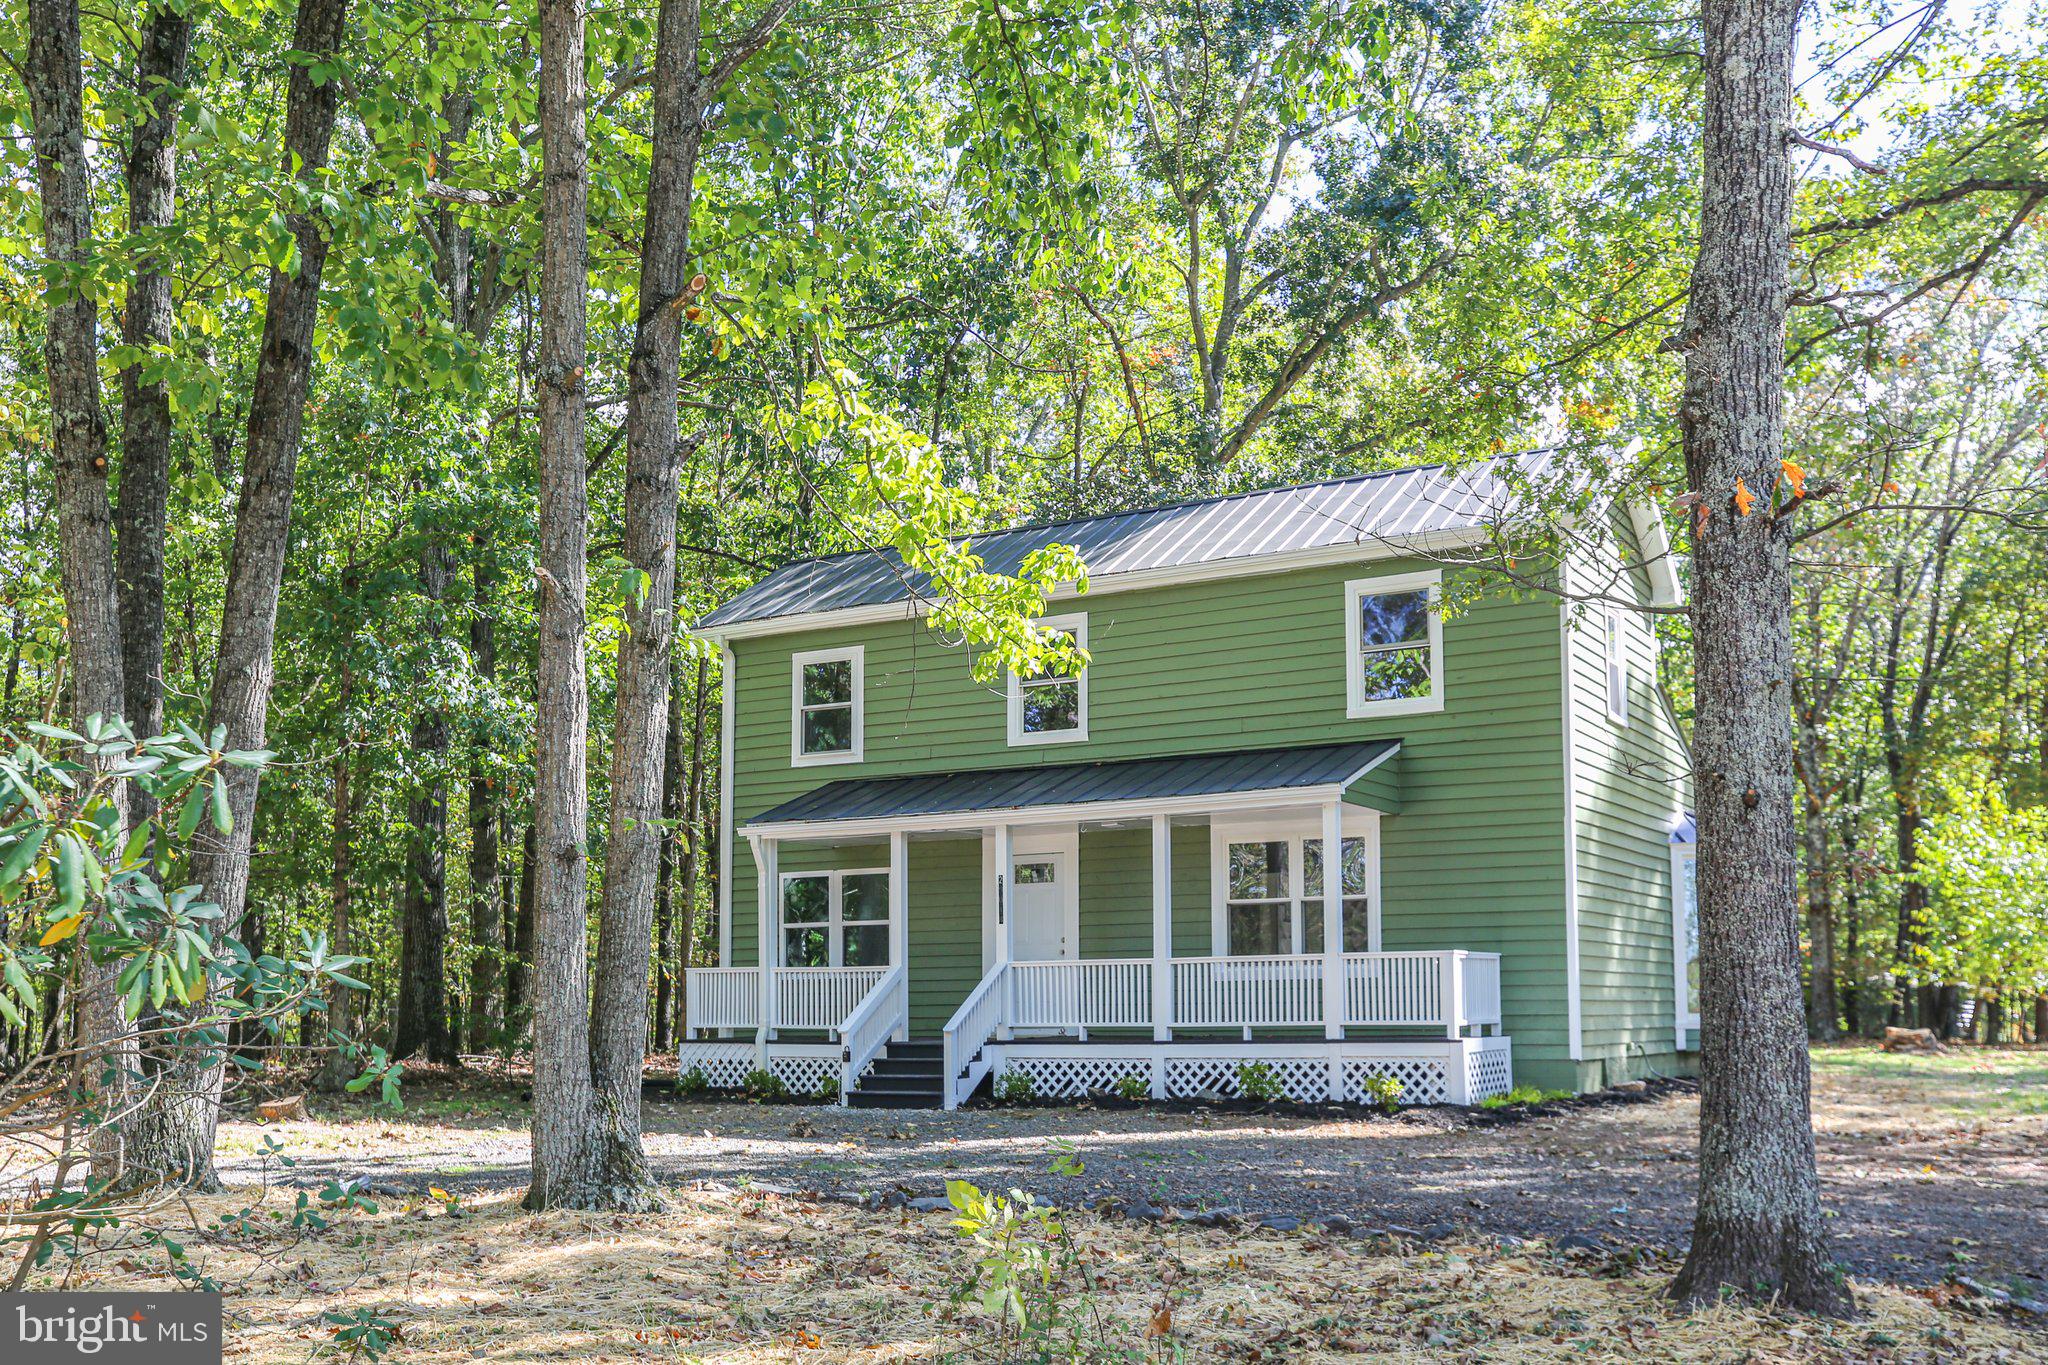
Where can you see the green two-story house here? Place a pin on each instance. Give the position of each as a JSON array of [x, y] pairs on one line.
[[1125, 871]]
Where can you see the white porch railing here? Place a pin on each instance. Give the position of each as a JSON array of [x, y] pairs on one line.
[[1097, 993], [882, 1013], [820, 997], [973, 1026], [722, 997], [1247, 992]]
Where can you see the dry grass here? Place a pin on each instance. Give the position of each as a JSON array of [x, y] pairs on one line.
[[750, 1278]]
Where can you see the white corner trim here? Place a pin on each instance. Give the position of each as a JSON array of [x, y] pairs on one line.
[[1013, 688], [726, 707], [1683, 1020], [1568, 726], [857, 656], [1357, 708]]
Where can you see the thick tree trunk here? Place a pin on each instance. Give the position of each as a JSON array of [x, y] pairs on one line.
[[566, 1128], [421, 1023], [146, 406], [640, 731], [334, 1068], [85, 549], [176, 1130], [486, 890], [1758, 1229]]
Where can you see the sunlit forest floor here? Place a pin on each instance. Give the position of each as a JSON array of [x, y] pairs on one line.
[[1936, 1171]]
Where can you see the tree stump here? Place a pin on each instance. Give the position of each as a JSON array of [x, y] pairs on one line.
[[1911, 1040], [284, 1110]]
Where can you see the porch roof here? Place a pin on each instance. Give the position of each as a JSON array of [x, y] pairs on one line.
[[1297, 772]]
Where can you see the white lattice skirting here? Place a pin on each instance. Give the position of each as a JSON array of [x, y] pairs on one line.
[[1460, 1071], [802, 1067]]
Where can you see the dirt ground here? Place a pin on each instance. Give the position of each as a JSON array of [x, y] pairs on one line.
[[1932, 1166], [746, 1278]]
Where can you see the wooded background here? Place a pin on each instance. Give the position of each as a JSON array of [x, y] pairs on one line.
[[1063, 260]]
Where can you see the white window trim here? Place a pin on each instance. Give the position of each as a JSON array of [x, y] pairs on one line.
[[857, 654], [1614, 661], [1359, 823], [1357, 707], [1077, 623], [835, 913]]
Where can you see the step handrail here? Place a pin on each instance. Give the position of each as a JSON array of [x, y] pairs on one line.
[[978, 1019], [881, 1013]]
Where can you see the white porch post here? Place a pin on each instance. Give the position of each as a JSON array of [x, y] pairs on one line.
[[1333, 939], [1162, 946], [768, 910], [1004, 943], [899, 912], [1454, 992]]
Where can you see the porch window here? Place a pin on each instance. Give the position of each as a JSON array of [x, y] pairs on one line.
[[1394, 638], [835, 919], [1052, 707], [826, 706], [1269, 912]]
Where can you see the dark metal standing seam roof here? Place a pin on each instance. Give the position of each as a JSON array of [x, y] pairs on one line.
[[1063, 784], [1360, 510]]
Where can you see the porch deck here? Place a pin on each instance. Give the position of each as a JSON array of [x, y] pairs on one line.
[[1077, 1025]]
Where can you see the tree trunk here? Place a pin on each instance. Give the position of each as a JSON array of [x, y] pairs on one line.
[[693, 839], [334, 1067], [176, 1129], [1820, 909], [486, 891], [519, 945], [566, 1170], [421, 1023], [146, 406], [1758, 1228], [640, 730], [85, 549], [674, 833]]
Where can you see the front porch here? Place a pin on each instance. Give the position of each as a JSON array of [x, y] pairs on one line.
[[1073, 1026], [1165, 920]]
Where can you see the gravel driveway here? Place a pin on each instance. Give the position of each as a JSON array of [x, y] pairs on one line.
[[1908, 1205]]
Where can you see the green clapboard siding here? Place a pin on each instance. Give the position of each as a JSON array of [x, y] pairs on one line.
[[1631, 786], [1474, 859]]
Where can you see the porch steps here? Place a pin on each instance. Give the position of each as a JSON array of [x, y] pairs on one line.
[[906, 1076]]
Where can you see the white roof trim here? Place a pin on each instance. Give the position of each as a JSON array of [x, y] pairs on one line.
[[1360, 551], [1653, 542]]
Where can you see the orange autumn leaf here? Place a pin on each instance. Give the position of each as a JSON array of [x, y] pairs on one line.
[[1162, 1322], [61, 930], [1704, 512], [1891, 486], [1795, 476], [1744, 499]]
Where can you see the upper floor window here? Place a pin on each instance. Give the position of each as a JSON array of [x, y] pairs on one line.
[[1393, 634], [1051, 707], [825, 706], [1615, 643]]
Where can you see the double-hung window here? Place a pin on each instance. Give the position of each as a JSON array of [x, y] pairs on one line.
[[1051, 706], [836, 919], [825, 706], [1615, 645], [1273, 902], [1393, 637]]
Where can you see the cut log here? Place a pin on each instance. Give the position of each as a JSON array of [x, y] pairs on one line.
[[1911, 1040], [285, 1110]]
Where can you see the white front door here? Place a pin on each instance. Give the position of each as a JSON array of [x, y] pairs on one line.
[[1038, 908]]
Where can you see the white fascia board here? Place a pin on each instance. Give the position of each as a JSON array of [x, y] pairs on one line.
[[1374, 763], [1653, 543], [1247, 566], [1088, 811]]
